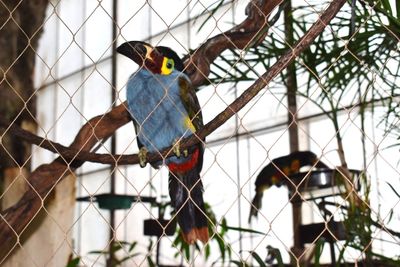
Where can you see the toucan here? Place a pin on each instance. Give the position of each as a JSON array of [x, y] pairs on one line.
[[274, 174], [164, 109]]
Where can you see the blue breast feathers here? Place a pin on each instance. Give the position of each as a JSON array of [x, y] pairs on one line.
[[155, 104]]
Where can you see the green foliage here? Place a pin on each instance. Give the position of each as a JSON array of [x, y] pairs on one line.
[[273, 254], [74, 262], [216, 237], [149, 259], [353, 67], [240, 263], [394, 190], [360, 227], [210, 11], [127, 249], [319, 247], [361, 69], [341, 68]]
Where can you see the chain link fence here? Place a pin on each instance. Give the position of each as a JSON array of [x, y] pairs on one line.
[[272, 78]]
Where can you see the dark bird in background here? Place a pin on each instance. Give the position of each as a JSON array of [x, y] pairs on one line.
[[164, 108], [274, 174]]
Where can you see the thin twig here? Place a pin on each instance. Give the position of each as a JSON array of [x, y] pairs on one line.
[[251, 32]]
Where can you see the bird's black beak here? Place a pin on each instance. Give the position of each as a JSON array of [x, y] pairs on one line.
[[137, 51]]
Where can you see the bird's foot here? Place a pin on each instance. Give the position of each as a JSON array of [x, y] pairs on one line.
[[142, 157], [177, 150]]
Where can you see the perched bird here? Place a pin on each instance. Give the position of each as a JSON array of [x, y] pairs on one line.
[[274, 174], [164, 108]]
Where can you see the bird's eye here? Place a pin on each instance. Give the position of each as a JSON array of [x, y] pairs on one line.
[[170, 64], [167, 66]]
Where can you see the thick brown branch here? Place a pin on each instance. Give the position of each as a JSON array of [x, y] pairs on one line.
[[267, 77], [75, 155], [250, 32], [15, 219], [43, 179], [80, 154]]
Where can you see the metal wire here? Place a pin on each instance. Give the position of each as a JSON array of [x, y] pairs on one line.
[[97, 237]]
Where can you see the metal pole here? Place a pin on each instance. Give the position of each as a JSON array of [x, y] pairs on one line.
[[111, 258], [291, 86]]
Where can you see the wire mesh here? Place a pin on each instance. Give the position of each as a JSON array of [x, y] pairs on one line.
[[63, 83]]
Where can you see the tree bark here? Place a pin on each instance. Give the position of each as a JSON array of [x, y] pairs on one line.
[[21, 26]]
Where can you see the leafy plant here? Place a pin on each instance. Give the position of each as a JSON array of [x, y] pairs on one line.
[[343, 68], [354, 63], [74, 262], [126, 247], [361, 69], [217, 237], [272, 255]]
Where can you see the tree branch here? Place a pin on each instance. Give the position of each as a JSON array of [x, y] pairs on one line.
[[44, 178], [250, 32], [15, 219], [72, 153]]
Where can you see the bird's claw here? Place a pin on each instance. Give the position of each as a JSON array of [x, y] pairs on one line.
[[142, 157], [177, 150]]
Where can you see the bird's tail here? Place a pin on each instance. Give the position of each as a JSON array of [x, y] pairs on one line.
[[186, 192], [255, 204]]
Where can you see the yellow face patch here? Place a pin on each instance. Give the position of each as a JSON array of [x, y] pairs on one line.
[[167, 66], [188, 124]]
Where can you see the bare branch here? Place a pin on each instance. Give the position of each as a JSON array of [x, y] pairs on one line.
[[15, 219], [233, 108], [249, 33]]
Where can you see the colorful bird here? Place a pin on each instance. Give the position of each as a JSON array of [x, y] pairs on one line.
[[274, 174], [164, 108]]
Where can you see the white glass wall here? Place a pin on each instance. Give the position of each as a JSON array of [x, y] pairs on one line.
[[75, 73]]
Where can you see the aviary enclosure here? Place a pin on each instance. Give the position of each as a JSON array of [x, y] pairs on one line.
[[299, 102]]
